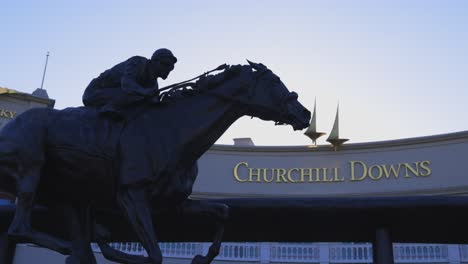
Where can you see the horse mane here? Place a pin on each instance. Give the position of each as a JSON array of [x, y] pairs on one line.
[[208, 82]]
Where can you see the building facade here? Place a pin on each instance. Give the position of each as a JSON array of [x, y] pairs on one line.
[[13, 103]]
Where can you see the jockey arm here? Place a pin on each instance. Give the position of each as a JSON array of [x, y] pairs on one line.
[[134, 67]]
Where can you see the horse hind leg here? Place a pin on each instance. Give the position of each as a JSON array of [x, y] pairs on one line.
[[26, 189], [219, 212], [114, 255], [20, 229], [22, 155]]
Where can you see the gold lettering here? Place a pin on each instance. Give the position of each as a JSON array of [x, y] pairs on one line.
[[393, 171], [424, 166], [236, 173], [256, 174], [290, 171], [359, 171], [7, 114], [264, 172], [364, 171], [3, 113], [415, 172], [335, 178], [325, 173], [309, 174], [371, 175], [317, 174], [281, 173], [265, 176]]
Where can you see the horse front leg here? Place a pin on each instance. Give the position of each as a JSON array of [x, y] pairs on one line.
[[219, 212], [135, 203]]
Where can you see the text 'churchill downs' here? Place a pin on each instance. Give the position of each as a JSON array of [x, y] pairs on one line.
[[357, 171]]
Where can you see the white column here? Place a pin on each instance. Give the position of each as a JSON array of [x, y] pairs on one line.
[[265, 252], [324, 253], [453, 253]]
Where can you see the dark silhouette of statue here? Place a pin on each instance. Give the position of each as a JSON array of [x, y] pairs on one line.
[[80, 161], [129, 82]]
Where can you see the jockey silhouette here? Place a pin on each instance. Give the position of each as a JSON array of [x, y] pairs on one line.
[[129, 82]]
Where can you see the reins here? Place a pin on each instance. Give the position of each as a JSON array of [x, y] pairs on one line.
[[251, 92]]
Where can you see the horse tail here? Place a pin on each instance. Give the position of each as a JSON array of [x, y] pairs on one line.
[[22, 143]]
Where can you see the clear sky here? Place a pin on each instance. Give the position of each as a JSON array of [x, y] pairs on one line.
[[399, 69]]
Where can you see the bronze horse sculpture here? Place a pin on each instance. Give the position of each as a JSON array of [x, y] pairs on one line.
[[141, 165]]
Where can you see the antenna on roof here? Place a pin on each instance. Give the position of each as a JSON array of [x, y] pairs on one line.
[[40, 92], [45, 69]]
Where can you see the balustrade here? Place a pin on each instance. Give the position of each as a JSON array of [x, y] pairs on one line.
[[350, 253], [301, 252], [420, 253], [288, 252], [238, 251]]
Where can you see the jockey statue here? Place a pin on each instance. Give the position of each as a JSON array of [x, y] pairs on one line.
[[128, 82]]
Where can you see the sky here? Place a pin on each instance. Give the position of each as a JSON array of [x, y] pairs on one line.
[[398, 69]]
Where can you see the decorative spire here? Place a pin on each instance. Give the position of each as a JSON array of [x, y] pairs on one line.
[[311, 131], [334, 137]]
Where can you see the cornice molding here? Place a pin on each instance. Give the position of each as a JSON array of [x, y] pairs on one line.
[[449, 138]]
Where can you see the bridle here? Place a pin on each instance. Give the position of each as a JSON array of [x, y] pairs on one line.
[[281, 110]]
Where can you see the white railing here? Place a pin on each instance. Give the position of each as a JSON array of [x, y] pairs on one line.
[[420, 253], [128, 247], [173, 250], [237, 251], [181, 250], [352, 253], [229, 251], [463, 253], [305, 252]]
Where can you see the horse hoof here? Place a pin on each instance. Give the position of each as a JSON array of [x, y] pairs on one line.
[[199, 259]]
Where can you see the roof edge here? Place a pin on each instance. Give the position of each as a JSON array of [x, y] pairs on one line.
[[462, 135]]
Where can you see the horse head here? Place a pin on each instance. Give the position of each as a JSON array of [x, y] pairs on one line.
[[270, 99]]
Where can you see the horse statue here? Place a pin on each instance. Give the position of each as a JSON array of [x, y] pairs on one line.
[[146, 163]]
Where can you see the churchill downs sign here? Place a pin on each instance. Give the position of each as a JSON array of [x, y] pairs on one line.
[[356, 171]]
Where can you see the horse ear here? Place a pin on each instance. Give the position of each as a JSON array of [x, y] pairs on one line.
[[252, 64], [257, 66]]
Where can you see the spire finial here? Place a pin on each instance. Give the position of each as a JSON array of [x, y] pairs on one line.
[[334, 137], [311, 131]]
